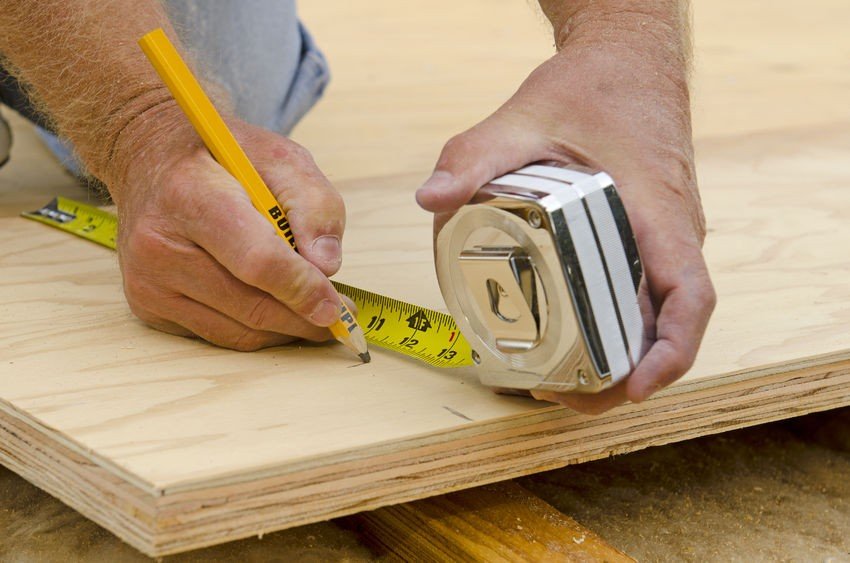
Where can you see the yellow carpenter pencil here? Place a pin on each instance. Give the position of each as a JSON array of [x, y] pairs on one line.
[[222, 144]]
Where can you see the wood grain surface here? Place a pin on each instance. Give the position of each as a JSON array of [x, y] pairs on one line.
[[406, 79], [220, 445], [496, 523]]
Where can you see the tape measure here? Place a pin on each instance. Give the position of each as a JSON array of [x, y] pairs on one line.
[[417, 332]]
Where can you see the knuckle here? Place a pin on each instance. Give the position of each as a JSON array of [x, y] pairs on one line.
[[140, 291], [143, 243], [283, 149], [148, 309], [458, 144], [708, 297], [702, 292], [332, 202], [681, 191], [134, 290], [322, 213], [333, 210], [323, 199], [300, 154], [680, 361], [685, 202], [261, 313], [255, 265], [139, 310], [673, 168], [248, 340], [301, 294], [700, 225]]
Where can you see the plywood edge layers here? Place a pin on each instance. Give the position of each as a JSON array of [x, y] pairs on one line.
[[666, 397], [95, 492], [462, 458], [48, 433], [405, 470]]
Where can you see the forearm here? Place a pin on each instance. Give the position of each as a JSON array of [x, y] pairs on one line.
[[662, 27], [82, 64]]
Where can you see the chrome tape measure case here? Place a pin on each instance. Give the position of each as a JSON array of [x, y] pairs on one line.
[[541, 272]]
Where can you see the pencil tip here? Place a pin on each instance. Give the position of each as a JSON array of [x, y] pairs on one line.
[[365, 357]]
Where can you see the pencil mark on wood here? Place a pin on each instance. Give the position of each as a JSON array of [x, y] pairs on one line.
[[457, 413]]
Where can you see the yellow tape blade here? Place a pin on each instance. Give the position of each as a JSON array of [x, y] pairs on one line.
[[427, 335], [86, 221]]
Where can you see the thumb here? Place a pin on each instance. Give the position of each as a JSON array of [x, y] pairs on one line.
[[492, 148]]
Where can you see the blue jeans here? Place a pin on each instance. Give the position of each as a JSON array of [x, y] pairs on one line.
[[256, 49]]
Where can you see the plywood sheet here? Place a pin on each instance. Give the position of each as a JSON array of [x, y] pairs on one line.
[[389, 110], [173, 444]]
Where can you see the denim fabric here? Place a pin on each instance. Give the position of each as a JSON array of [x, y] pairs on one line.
[[257, 50]]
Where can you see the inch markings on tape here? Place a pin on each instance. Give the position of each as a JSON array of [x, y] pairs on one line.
[[426, 335], [418, 332]]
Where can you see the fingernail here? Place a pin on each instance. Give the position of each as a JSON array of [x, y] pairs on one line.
[[328, 249], [438, 182], [325, 313]]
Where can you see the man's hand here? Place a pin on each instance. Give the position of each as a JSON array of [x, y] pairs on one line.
[[197, 258], [614, 98]]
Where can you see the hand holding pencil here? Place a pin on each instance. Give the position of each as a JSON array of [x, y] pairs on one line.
[[197, 256], [226, 150]]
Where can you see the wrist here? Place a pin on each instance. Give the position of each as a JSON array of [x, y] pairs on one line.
[[661, 26], [648, 48], [147, 136]]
